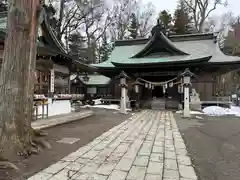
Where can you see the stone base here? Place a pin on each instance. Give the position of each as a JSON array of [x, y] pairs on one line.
[[196, 106]]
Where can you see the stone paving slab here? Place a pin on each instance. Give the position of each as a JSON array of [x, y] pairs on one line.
[[58, 120], [147, 146]]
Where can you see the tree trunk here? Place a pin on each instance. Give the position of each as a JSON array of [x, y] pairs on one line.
[[16, 81]]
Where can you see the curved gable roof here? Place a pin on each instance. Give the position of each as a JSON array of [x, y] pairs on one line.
[[195, 46]]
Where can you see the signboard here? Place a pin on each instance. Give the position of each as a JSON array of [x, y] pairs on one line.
[[52, 77]]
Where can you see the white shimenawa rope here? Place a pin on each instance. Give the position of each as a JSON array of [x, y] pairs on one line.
[[158, 83]]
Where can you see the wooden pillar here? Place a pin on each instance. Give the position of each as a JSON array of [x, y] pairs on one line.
[[52, 78], [69, 84]]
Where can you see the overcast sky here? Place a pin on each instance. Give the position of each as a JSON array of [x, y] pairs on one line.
[[234, 6]]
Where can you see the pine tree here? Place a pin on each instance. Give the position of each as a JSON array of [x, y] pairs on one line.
[[133, 29], [182, 20], [105, 49]]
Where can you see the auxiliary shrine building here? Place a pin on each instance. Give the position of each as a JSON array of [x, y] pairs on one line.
[[158, 61]]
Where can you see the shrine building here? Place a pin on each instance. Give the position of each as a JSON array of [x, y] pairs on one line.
[[158, 61]]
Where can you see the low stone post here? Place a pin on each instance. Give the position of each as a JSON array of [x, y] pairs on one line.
[[186, 110], [123, 102]]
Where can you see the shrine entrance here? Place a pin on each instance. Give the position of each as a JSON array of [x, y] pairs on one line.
[[158, 92]]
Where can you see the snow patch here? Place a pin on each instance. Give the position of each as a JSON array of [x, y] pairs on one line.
[[217, 111], [220, 111], [191, 112], [110, 106], [97, 101]]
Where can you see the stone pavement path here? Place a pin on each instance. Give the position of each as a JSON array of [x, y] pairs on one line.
[[147, 146]]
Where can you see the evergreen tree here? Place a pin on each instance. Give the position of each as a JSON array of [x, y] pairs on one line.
[[92, 51], [105, 49], [133, 29], [3, 6], [165, 19], [182, 20], [77, 46]]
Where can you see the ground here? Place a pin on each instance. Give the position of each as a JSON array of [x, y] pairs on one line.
[[147, 146], [213, 144], [85, 129]]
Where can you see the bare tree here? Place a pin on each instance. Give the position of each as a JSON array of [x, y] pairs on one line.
[[201, 9], [124, 10], [145, 14], [95, 18], [16, 78]]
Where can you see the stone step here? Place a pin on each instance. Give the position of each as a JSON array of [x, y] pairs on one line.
[[158, 104]]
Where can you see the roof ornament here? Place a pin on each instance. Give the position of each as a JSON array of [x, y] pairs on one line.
[[158, 28]]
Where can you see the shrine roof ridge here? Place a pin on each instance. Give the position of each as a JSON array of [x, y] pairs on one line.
[[173, 38]]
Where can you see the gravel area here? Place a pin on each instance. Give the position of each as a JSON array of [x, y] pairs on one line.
[[213, 144]]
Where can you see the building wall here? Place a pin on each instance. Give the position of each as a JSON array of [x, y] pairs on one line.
[[228, 83], [205, 86]]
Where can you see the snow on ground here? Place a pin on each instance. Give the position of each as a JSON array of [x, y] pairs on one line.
[[220, 111], [217, 111], [191, 112], [97, 101], [110, 106]]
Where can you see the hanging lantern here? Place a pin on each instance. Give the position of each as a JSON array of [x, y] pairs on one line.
[[180, 88], [136, 88], [164, 89], [146, 85], [150, 86], [171, 84], [137, 85]]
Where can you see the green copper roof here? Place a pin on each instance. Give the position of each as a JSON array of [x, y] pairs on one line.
[[196, 46], [120, 54]]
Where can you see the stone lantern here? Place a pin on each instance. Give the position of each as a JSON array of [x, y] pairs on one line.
[[186, 77], [137, 85], [123, 102]]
